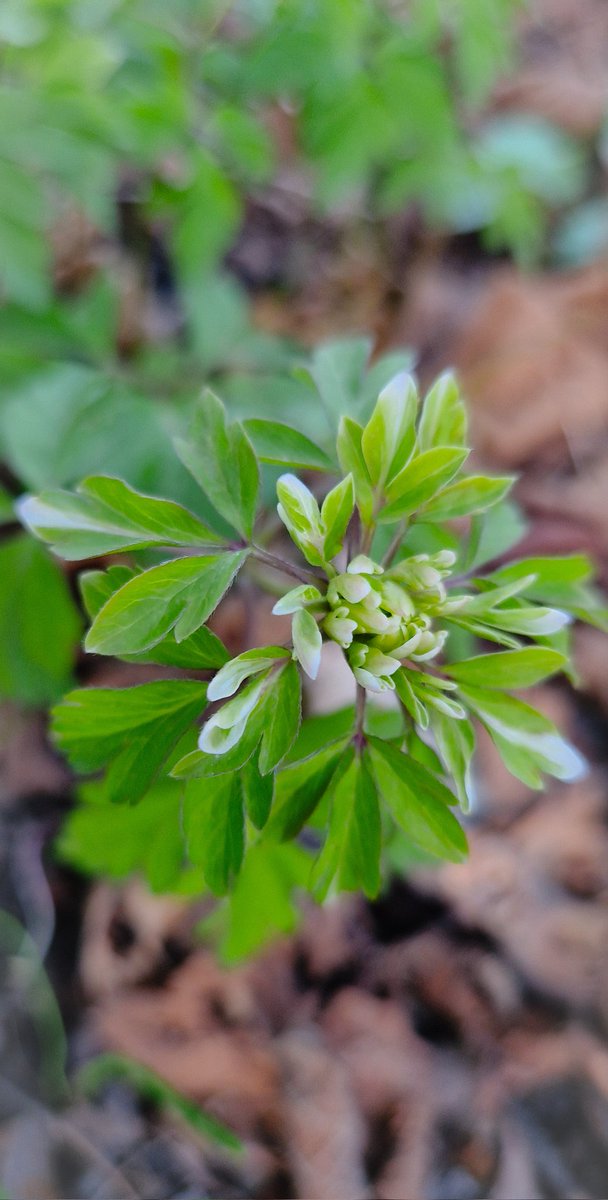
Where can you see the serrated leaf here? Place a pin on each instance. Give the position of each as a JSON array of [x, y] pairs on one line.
[[133, 729], [420, 479], [202, 650], [274, 442], [281, 719], [418, 802], [220, 457], [336, 512], [352, 462], [443, 421], [466, 496], [105, 516], [176, 596], [351, 851], [214, 829], [509, 669]]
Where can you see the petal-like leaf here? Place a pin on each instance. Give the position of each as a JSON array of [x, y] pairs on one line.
[[307, 642], [251, 662]]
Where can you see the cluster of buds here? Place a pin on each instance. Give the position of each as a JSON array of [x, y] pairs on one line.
[[381, 617]]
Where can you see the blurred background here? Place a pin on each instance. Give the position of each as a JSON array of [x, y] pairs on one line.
[[251, 194]]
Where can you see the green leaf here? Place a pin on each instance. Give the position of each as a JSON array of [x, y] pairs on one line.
[[39, 624], [221, 459], [307, 642], [132, 729], [303, 596], [274, 442], [99, 838], [456, 743], [300, 514], [411, 702], [178, 595], [388, 436], [551, 580], [351, 852], [316, 733], [466, 496], [261, 904], [420, 479], [527, 741], [258, 791], [336, 512], [526, 620], [443, 421], [105, 516], [214, 829], [282, 713], [418, 802], [492, 534], [107, 1068], [200, 651], [299, 791], [510, 669], [352, 462], [251, 662]]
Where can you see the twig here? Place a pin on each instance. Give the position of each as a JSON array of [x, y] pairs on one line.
[[287, 568], [359, 736], [395, 544]]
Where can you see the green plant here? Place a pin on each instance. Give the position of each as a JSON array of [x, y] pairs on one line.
[[381, 573]]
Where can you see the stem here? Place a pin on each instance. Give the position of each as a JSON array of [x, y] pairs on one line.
[[395, 544], [287, 568], [367, 537], [359, 736]]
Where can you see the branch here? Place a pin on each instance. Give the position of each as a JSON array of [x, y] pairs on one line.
[[287, 568]]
